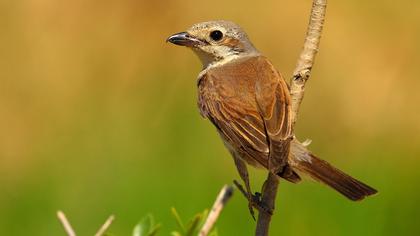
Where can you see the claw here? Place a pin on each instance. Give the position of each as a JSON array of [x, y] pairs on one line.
[[257, 197], [259, 205], [251, 209], [254, 201]]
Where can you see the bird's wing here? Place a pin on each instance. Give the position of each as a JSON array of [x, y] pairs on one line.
[[273, 99], [227, 98], [248, 101]]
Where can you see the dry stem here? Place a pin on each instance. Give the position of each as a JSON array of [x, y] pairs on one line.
[[305, 62], [105, 226], [224, 196], [269, 193], [69, 230], [66, 224]]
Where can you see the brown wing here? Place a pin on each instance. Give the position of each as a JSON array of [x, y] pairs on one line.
[[246, 101], [273, 99], [227, 98]]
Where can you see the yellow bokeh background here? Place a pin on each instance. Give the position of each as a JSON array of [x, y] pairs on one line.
[[98, 115]]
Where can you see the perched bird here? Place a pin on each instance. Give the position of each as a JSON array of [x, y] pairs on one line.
[[248, 101]]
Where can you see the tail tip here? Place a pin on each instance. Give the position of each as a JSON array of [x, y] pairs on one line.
[[359, 197]]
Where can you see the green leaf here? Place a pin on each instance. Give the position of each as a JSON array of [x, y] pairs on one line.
[[176, 233], [193, 225], [178, 220], [154, 230], [146, 227]]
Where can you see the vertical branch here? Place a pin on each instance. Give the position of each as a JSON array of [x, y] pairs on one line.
[[269, 193], [305, 62], [301, 74]]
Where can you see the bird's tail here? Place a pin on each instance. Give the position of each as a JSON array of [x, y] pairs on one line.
[[305, 162]]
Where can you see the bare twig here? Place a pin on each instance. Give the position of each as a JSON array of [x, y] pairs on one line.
[[105, 226], [224, 196], [305, 62], [69, 230], [66, 224], [301, 74], [269, 193]]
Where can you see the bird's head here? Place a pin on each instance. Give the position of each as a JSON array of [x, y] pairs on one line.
[[215, 41]]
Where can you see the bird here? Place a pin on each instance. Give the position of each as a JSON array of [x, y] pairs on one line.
[[248, 101]]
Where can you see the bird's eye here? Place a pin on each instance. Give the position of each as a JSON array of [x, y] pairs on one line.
[[216, 35]]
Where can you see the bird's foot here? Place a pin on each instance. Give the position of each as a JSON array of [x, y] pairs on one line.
[[255, 201]]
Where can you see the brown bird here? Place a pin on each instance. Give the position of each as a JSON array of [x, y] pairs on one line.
[[248, 101]]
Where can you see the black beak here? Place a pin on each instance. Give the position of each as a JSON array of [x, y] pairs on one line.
[[184, 39]]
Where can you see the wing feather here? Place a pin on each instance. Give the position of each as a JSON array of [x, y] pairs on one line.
[[273, 99], [249, 103]]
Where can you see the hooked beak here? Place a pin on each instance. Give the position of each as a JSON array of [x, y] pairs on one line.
[[184, 39]]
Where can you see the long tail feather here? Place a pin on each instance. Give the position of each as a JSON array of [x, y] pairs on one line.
[[304, 161]]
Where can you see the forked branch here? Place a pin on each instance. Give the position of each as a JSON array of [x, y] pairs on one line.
[[70, 231]]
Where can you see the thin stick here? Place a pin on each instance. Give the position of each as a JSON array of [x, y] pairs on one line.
[[105, 226], [269, 193], [66, 224], [305, 62], [224, 196], [301, 74]]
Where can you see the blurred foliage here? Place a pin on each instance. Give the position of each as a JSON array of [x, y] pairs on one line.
[[192, 227], [146, 227], [98, 115]]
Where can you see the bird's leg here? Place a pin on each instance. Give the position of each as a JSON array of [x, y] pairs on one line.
[[243, 172], [254, 200]]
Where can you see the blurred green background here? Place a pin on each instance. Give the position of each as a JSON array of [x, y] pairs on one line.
[[98, 115]]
